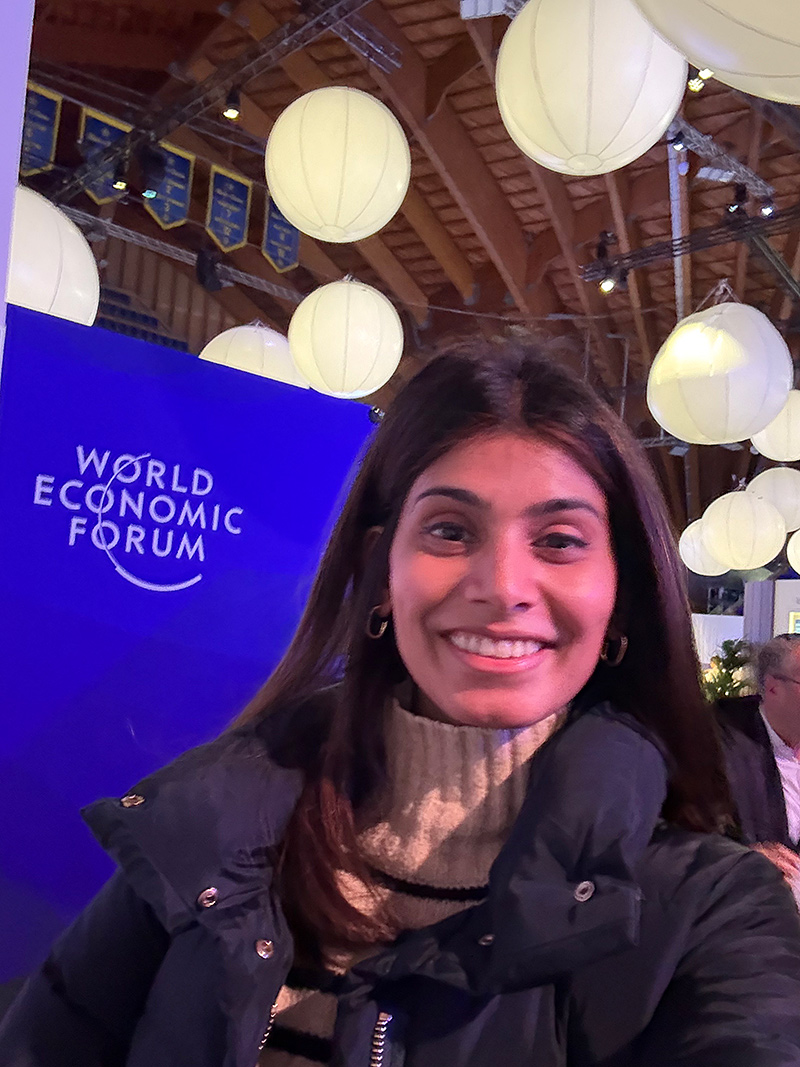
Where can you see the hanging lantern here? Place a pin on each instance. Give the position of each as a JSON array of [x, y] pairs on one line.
[[793, 551], [51, 266], [743, 531], [753, 45], [585, 86], [346, 338], [722, 375], [780, 440], [694, 553], [338, 164], [780, 486], [256, 349]]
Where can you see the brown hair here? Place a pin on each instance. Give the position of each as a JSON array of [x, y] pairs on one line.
[[489, 386]]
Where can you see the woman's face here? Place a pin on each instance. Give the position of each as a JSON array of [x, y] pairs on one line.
[[502, 581]]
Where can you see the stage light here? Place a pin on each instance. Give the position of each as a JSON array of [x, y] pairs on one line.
[[120, 180], [740, 199], [153, 163], [695, 83], [608, 284], [767, 209], [678, 142], [705, 74], [233, 105]]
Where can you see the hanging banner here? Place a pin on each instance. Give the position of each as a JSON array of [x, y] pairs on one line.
[[40, 132], [281, 243], [170, 206], [228, 213], [98, 131]]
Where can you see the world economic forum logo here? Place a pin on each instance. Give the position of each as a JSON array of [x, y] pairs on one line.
[[152, 520]]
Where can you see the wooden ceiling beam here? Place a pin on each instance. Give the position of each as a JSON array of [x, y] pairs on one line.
[[616, 187], [447, 70], [753, 156], [70, 45], [455, 156], [781, 301]]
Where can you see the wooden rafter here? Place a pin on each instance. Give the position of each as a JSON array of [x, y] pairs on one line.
[[456, 158], [617, 194], [81, 45]]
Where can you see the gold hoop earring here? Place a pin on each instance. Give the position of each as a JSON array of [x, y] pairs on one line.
[[615, 660], [383, 621]]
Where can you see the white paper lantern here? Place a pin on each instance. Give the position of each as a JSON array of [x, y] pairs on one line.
[[256, 349], [346, 338], [743, 531], [51, 267], [338, 164], [780, 440], [793, 551], [722, 375], [694, 553], [781, 487], [586, 86], [753, 45]]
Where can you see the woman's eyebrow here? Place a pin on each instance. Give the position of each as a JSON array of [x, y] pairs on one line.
[[544, 507]]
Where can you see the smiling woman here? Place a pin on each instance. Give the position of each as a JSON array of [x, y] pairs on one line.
[[477, 813]]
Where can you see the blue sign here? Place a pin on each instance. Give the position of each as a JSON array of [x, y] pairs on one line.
[[170, 206], [40, 131], [228, 212], [97, 132], [162, 518], [281, 244]]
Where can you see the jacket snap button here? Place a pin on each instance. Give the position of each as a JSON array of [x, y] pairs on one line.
[[208, 898], [265, 949], [583, 891], [487, 939], [132, 800]]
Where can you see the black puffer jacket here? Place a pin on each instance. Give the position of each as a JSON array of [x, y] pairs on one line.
[[607, 939]]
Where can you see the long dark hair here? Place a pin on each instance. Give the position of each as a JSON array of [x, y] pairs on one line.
[[488, 386]]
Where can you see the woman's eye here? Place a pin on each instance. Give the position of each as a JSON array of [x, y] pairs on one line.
[[448, 531], [561, 541]]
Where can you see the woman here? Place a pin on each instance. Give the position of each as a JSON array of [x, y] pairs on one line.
[[472, 818]]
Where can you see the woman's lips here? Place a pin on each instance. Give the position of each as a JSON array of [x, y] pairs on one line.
[[499, 655]]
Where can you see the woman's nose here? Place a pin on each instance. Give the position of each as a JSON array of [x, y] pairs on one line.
[[505, 574]]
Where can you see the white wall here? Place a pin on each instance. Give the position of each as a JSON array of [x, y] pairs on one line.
[[787, 599], [711, 630], [15, 46]]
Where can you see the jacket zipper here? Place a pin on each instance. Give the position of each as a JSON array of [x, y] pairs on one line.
[[378, 1056], [273, 1011]]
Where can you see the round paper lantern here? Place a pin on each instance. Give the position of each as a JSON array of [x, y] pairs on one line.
[[694, 553], [753, 45], [793, 551], [781, 487], [338, 164], [722, 375], [586, 86], [743, 531], [51, 267], [346, 338], [780, 440], [256, 349]]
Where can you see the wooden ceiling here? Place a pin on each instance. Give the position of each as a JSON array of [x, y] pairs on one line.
[[486, 240]]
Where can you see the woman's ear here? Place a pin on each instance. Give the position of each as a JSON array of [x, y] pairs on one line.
[[368, 546]]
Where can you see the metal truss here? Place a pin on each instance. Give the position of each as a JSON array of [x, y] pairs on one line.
[[363, 38], [106, 228], [256, 59], [707, 148]]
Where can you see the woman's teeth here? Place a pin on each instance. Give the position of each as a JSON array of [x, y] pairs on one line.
[[485, 646]]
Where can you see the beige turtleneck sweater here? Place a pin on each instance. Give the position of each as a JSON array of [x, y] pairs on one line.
[[451, 796]]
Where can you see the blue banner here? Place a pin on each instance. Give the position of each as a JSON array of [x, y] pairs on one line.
[[162, 518], [281, 243], [228, 212], [170, 206], [98, 131], [40, 131]]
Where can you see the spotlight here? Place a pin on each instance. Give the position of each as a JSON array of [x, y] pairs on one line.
[[698, 78], [120, 182], [154, 168], [233, 105], [678, 142], [767, 209], [705, 74], [740, 199], [207, 270], [608, 284], [376, 416]]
